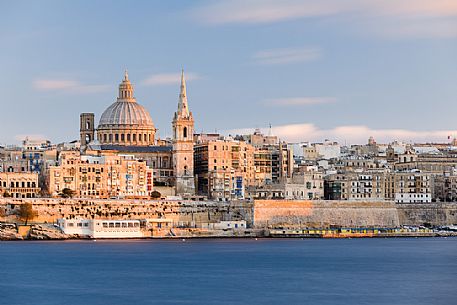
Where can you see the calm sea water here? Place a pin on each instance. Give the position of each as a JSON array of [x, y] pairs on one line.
[[264, 271]]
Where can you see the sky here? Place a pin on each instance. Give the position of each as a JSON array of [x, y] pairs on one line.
[[342, 70]]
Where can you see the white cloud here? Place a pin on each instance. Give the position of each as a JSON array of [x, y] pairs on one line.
[[168, 79], [286, 55], [350, 134], [67, 86], [299, 101], [264, 11], [412, 18]]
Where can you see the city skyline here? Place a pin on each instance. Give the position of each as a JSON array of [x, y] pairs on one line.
[[313, 71]]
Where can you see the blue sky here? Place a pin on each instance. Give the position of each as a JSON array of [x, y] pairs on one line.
[[338, 69]]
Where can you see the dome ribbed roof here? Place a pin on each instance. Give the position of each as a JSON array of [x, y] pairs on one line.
[[124, 112]]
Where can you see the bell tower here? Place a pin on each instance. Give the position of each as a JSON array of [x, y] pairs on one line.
[[183, 144], [86, 128]]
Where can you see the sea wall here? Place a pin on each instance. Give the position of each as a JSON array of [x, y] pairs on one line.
[[324, 214], [182, 212], [260, 213], [436, 214]]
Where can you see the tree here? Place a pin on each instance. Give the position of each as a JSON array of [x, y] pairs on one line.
[[26, 212], [67, 193], [155, 195]]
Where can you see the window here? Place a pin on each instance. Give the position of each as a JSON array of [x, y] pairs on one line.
[[116, 137], [185, 132], [122, 137]]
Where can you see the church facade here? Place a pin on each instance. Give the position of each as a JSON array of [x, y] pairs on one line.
[[126, 127]]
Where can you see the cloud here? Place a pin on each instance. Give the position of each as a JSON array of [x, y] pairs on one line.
[[286, 55], [67, 86], [264, 11], [168, 79], [299, 101], [412, 18], [350, 134]]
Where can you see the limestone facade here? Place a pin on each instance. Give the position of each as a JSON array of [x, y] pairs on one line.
[[219, 164], [183, 144], [19, 185], [115, 176]]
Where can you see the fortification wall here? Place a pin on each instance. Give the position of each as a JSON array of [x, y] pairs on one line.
[[323, 214], [261, 213], [183, 213], [436, 214]]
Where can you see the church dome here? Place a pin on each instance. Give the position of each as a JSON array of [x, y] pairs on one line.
[[124, 112], [125, 122]]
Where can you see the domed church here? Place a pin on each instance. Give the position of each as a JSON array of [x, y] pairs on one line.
[[126, 127], [126, 122]]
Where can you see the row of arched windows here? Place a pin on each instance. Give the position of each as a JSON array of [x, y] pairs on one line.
[[128, 137]]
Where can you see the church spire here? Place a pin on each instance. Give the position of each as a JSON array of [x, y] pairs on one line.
[[183, 108]]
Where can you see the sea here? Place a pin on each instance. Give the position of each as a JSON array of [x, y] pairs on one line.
[[230, 271]]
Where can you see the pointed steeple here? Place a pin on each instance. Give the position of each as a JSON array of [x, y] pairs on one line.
[[183, 108]]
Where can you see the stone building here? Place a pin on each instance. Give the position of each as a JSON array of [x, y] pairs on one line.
[[379, 184], [412, 187], [355, 185], [126, 127], [273, 163], [430, 163], [108, 176], [19, 185], [445, 187], [223, 168]]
